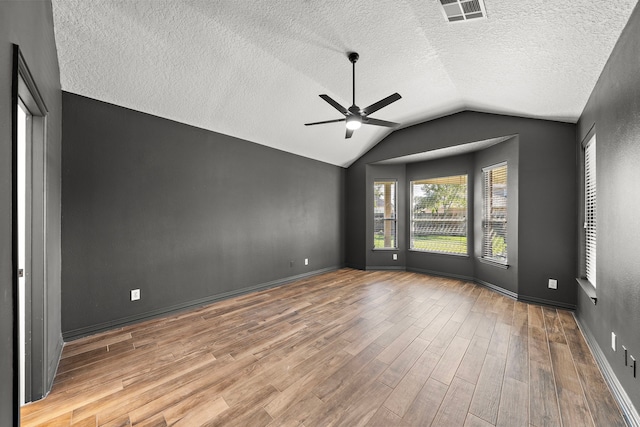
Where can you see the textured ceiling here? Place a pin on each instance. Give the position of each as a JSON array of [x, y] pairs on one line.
[[254, 69]]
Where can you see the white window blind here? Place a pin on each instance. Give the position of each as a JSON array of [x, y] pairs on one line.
[[494, 242], [590, 210], [384, 215], [439, 215]]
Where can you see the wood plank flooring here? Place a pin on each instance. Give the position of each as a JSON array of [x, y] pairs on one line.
[[347, 348]]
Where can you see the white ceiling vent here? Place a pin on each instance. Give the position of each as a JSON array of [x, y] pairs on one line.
[[463, 10]]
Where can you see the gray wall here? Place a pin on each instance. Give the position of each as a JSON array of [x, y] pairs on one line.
[[614, 108], [356, 237], [29, 25], [546, 199], [183, 214]]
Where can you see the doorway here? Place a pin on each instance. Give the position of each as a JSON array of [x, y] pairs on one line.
[[29, 246]]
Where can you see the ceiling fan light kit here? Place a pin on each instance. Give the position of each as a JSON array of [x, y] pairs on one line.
[[353, 122], [355, 116]]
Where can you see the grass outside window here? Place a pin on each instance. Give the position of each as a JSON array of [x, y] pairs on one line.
[[441, 244]]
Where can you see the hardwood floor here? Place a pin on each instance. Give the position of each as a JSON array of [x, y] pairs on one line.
[[349, 348]]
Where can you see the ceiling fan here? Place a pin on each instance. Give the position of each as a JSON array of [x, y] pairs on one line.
[[355, 116]]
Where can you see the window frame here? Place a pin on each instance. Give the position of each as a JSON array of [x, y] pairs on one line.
[[587, 287], [412, 219], [486, 219], [393, 219], [590, 210]]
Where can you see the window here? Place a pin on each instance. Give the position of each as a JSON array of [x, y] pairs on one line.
[[494, 221], [384, 215], [439, 215], [590, 210]]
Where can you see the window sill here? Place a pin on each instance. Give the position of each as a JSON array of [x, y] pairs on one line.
[[588, 289], [384, 249], [493, 263]]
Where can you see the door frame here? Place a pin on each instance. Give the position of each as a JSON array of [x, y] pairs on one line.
[[24, 89]]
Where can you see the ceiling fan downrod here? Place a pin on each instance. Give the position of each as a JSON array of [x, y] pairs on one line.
[[353, 57]]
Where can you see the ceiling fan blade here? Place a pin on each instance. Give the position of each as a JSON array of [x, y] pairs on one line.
[[349, 133], [326, 121], [334, 104], [382, 103], [370, 121]]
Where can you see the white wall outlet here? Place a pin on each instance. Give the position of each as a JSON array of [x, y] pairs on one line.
[[306, 261], [553, 283], [613, 341], [395, 257], [135, 294]]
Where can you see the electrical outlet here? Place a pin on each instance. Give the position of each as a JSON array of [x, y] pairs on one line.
[[613, 341], [553, 283], [306, 261], [135, 294], [395, 257]]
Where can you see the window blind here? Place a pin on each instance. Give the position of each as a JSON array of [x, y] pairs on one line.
[[384, 215], [494, 242], [439, 215], [590, 210]]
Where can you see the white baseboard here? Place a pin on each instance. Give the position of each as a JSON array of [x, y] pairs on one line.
[[628, 410]]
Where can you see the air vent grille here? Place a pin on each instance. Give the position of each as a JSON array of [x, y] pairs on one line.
[[463, 10]]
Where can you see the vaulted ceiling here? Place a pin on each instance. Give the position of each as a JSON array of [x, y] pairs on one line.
[[254, 69]]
